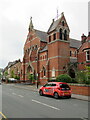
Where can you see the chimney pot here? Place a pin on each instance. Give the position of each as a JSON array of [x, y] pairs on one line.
[[83, 34], [83, 38], [53, 20]]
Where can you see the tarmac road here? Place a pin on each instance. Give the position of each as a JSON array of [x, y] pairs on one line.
[[21, 103]]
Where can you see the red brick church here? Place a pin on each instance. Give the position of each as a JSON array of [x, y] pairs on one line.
[[49, 54]]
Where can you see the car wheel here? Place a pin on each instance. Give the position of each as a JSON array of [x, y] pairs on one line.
[[40, 92], [56, 96], [69, 96]]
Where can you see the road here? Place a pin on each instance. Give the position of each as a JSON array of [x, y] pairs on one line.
[[21, 103], [0, 100]]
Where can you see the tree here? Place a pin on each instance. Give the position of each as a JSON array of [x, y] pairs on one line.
[[81, 77], [6, 73], [88, 74], [12, 74], [0, 75], [84, 76], [17, 77]]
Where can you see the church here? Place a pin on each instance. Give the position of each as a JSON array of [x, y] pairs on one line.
[[49, 54]]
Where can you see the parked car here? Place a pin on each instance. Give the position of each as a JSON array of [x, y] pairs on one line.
[[12, 80], [56, 89]]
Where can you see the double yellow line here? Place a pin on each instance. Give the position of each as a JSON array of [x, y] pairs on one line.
[[3, 116]]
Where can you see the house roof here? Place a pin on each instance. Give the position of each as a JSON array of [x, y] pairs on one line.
[[42, 35], [44, 49], [75, 43], [54, 24], [12, 63]]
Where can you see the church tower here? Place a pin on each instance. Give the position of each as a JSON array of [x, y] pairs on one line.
[[58, 46]]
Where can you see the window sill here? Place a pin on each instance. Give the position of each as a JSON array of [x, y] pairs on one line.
[[88, 61]]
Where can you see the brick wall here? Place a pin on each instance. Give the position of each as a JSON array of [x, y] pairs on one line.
[[80, 90]]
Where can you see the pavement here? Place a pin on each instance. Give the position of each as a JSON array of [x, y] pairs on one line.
[[35, 89]]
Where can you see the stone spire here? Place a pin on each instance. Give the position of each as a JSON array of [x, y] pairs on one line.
[[62, 14], [31, 27]]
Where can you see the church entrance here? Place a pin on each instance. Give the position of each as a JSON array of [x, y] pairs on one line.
[[72, 73], [30, 74]]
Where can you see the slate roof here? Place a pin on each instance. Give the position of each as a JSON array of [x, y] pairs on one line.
[[11, 64], [44, 49], [53, 25], [42, 35], [75, 43]]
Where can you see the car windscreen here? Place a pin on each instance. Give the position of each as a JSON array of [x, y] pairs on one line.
[[64, 87]]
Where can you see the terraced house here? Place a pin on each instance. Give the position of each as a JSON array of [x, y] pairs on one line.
[[48, 54]]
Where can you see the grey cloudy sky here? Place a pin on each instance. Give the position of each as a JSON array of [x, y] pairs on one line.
[[15, 17]]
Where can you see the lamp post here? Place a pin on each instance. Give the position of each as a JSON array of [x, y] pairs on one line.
[[37, 73]]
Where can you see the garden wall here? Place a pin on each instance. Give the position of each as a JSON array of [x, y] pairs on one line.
[[80, 89]]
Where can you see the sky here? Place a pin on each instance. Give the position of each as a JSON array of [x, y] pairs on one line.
[[15, 18]]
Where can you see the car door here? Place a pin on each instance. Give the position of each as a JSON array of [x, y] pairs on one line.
[[53, 87], [47, 89]]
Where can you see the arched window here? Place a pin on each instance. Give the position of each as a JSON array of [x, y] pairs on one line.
[[65, 35], [88, 56], [62, 23], [70, 53], [44, 71], [36, 47], [29, 69], [60, 33], [75, 54], [49, 38], [21, 72], [54, 36]]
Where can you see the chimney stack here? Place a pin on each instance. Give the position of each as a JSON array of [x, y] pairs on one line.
[[88, 34], [83, 38], [52, 20]]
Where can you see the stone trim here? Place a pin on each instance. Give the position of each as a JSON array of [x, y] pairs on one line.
[[43, 60], [58, 57], [73, 57], [43, 78], [79, 84], [57, 70], [59, 41], [31, 40]]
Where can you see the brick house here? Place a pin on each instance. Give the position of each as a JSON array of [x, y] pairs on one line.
[[46, 55], [84, 52], [14, 66]]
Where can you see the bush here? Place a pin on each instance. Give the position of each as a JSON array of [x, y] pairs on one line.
[[74, 80], [83, 77], [17, 77], [64, 78]]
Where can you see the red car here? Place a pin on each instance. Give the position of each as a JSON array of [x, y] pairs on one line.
[[56, 89]]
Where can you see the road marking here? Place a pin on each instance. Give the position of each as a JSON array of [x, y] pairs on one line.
[[17, 95], [3, 115], [14, 93], [20, 96], [45, 104]]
